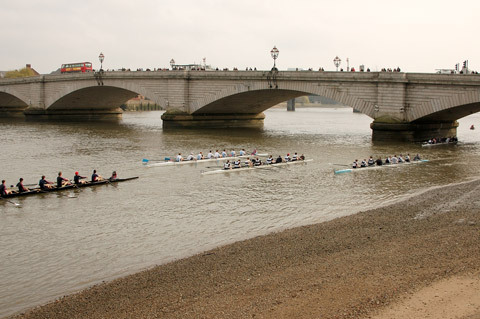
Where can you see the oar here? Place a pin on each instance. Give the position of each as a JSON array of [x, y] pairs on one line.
[[26, 185], [13, 203], [146, 160], [341, 165]]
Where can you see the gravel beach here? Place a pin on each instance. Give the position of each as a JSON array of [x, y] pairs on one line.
[[361, 266]]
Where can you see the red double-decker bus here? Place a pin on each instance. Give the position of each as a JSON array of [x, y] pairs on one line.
[[76, 67]]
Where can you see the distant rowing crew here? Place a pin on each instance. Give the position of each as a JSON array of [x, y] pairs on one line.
[[257, 162], [211, 155], [44, 184], [388, 160]]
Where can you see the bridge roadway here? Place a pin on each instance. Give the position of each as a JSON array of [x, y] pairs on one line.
[[403, 106]]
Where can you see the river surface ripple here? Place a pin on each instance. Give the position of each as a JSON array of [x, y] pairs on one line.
[[54, 245]]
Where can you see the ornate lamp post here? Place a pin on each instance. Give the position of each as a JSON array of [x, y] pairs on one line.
[[274, 54], [101, 57], [337, 62], [172, 63]]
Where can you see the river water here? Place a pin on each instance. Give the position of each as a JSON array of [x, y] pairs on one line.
[[55, 245]]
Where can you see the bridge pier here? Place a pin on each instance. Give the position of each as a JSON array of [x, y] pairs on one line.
[[73, 114], [412, 132], [185, 120]]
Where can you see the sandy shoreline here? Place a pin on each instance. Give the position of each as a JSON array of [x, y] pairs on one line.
[[360, 266]]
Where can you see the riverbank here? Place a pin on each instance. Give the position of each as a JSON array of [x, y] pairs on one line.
[[351, 267]]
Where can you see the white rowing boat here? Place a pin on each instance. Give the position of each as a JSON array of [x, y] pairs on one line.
[[439, 143], [195, 161], [264, 166], [368, 168]]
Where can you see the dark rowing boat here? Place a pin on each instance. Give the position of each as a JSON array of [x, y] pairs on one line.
[[35, 191]]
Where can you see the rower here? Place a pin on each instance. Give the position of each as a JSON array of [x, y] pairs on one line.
[[371, 162], [407, 158], [179, 158], [20, 186], [302, 157], [287, 158], [294, 157], [96, 177], [62, 181], [227, 165], [44, 184], [248, 163], [394, 159], [190, 157], [114, 176], [77, 179], [379, 161], [236, 164], [417, 158], [224, 153], [232, 153], [400, 159], [210, 155], [257, 162], [278, 160], [217, 154], [200, 156], [388, 160], [355, 164], [3, 189], [242, 152], [270, 160], [363, 163]]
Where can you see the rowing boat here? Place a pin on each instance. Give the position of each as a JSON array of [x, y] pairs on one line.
[[368, 168], [195, 161], [36, 191], [426, 144], [242, 169]]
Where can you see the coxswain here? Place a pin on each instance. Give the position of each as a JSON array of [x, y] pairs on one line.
[[302, 157], [190, 157], [179, 158], [3, 189], [254, 152], [407, 158], [294, 157], [363, 163], [62, 181], [77, 179], [242, 152], [114, 176], [287, 158], [236, 164], [96, 177], [200, 156], [20, 186], [270, 160], [379, 161], [278, 160], [417, 158], [227, 165], [472, 127], [371, 161], [44, 184]]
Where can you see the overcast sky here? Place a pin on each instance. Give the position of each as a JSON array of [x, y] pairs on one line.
[[415, 35]]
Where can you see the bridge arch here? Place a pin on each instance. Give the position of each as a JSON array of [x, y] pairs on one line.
[[255, 98], [447, 108], [11, 99]]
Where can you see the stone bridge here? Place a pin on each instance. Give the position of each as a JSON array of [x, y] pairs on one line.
[[403, 106]]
